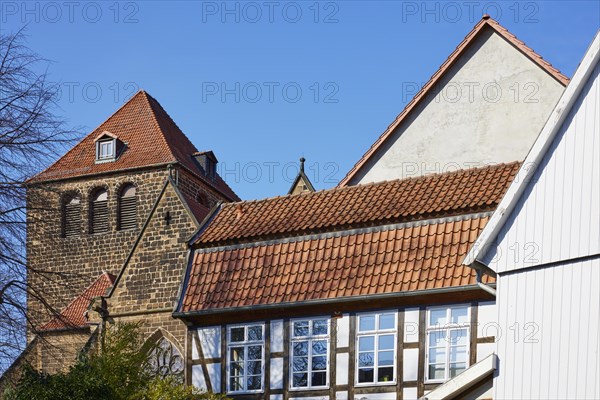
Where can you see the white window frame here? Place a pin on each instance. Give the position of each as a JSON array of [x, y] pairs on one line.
[[99, 144], [310, 338], [376, 333], [447, 329], [245, 344]]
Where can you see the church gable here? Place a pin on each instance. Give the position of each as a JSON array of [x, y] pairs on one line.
[[151, 276], [485, 105]]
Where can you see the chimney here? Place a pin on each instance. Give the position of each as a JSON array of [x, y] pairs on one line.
[[207, 162]]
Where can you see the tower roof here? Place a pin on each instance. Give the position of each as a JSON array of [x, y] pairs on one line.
[[150, 138]]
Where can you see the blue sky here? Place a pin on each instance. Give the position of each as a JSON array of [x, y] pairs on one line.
[[263, 83]]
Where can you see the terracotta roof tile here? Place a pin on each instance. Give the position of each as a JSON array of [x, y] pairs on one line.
[[428, 196], [72, 316], [486, 21], [327, 266], [151, 137]]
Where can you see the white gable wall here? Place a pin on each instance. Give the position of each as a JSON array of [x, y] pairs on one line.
[[558, 216], [464, 129]]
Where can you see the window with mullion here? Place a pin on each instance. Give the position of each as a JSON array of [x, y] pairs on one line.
[[309, 353], [376, 348], [245, 355], [448, 333]]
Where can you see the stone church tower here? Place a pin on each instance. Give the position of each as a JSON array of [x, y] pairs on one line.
[[112, 218]]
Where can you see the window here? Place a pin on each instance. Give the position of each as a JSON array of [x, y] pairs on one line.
[[105, 150], [165, 360], [448, 333], [127, 208], [71, 216], [99, 212], [376, 348], [245, 355], [309, 353]]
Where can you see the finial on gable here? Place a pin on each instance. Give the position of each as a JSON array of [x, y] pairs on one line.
[[301, 183]]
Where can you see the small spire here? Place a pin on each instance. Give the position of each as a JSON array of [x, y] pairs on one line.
[[302, 159], [486, 16]]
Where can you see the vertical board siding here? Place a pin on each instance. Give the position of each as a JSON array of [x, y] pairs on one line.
[[558, 215], [550, 335]]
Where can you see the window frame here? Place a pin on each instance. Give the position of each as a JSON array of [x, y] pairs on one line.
[[447, 328], [310, 338], [246, 343], [376, 333], [100, 143]]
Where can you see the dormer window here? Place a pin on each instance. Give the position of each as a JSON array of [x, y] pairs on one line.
[[105, 150], [108, 147]]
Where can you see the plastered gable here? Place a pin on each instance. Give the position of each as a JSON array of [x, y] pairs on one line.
[[487, 108]]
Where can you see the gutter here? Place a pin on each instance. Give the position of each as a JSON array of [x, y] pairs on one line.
[[482, 285], [336, 300]]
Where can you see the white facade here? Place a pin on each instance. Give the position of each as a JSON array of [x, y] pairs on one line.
[[558, 215], [488, 108], [544, 244]]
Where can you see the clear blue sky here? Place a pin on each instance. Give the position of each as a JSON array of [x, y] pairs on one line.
[[350, 60]]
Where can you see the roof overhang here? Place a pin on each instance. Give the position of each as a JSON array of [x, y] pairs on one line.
[[331, 301]]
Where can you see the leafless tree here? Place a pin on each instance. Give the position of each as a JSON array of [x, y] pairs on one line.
[[31, 135]]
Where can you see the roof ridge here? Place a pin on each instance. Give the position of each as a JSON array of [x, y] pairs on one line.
[[486, 20], [147, 98], [378, 183]]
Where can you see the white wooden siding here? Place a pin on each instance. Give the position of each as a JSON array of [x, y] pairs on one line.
[[550, 342], [558, 216]]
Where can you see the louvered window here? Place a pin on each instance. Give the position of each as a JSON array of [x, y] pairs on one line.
[[128, 208], [99, 212], [72, 216]]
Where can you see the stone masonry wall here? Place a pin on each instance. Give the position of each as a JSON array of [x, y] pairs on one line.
[[71, 264], [152, 278]]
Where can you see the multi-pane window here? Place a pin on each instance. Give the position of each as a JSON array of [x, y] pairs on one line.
[[309, 353], [105, 150], [376, 348], [245, 355], [448, 333]]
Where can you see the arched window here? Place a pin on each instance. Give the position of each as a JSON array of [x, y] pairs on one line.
[[99, 212], [71, 215], [166, 360], [127, 208]]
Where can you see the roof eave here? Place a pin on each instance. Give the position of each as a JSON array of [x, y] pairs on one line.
[[337, 300]]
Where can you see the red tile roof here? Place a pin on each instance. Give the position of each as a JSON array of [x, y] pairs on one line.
[[430, 196], [388, 237], [152, 138], [325, 267], [486, 21], [72, 316]]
